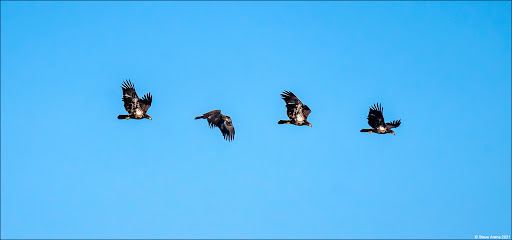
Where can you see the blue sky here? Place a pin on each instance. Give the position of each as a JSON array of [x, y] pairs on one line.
[[71, 169]]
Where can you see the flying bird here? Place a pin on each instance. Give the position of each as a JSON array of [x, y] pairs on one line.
[[223, 122], [296, 110], [376, 121], [135, 107]]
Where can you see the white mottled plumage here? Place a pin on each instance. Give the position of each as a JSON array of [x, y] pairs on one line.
[[300, 118], [138, 112]]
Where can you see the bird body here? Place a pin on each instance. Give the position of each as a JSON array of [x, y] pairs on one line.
[[297, 111], [136, 108], [223, 122], [381, 130], [138, 113], [300, 118], [376, 121]]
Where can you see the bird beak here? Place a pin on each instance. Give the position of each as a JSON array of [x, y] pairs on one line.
[[393, 133], [152, 119]]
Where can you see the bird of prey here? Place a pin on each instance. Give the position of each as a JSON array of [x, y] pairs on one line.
[[376, 121], [223, 122], [296, 110], [135, 107]]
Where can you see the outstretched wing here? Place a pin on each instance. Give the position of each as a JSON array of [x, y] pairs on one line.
[[227, 128], [214, 118], [375, 118], [293, 104], [130, 97], [306, 111], [393, 124], [145, 102]]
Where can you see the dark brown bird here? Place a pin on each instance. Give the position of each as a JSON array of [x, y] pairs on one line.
[[376, 121], [296, 110], [135, 107], [223, 122]]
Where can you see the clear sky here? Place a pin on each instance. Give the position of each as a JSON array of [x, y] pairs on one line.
[[71, 169]]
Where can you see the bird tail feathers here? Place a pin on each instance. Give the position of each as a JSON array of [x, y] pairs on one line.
[[122, 116], [366, 130], [283, 122], [199, 117]]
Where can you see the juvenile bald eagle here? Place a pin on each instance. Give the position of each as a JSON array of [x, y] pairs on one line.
[[223, 122], [376, 121], [135, 107], [296, 110]]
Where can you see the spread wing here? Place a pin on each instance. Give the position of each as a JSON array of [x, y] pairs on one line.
[[393, 124], [293, 104], [130, 97], [214, 118], [145, 102], [375, 118], [227, 128], [306, 111]]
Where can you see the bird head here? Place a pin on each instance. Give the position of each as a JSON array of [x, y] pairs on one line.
[[149, 117], [391, 131], [309, 124]]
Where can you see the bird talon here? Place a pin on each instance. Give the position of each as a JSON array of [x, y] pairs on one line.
[[127, 117]]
